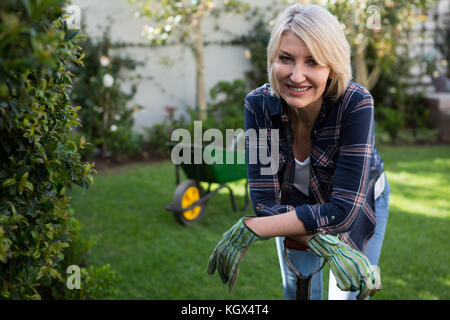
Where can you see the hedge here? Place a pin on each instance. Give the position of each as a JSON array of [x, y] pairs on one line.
[[38, 161]]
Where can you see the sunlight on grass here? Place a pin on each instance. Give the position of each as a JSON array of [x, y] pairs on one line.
[[420, 194]]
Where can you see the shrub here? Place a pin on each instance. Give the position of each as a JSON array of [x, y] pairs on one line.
[[390, 121], [38, 161], [225, 111], [95, 282], [227, 104], [256, 42]]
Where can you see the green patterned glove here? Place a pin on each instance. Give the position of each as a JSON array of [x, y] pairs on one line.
[[350, 267], [230, 251]]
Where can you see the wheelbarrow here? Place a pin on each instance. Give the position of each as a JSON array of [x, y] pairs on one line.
[[190, 198]]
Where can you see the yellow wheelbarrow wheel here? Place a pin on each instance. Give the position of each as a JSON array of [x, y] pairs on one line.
[[186, 194]]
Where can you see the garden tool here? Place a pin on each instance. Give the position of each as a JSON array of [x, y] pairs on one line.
[[303, 282]]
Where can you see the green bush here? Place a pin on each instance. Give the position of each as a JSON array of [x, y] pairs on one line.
[[98, 283], [390, 120], [256, 42], [227, 104], [95, 282], [156, 138], [38, 161], [225, 111]]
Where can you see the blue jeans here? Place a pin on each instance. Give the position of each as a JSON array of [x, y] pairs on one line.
[[307, 262]]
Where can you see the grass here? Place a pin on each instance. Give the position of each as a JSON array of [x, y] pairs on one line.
[[157, 258]]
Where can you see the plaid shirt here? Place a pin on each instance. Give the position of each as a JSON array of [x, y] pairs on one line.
[[344, 164]]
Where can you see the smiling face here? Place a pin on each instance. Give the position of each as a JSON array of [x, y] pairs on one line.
[[300, 79]]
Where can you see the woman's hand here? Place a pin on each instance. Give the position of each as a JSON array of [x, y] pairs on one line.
[[230, 251], [350, 267]]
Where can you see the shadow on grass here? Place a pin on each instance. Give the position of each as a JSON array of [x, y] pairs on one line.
[[415, 258]]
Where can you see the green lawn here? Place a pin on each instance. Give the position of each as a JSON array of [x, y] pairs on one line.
[[157, 258]]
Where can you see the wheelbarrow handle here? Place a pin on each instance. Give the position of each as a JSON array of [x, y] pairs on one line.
[[303, 282]]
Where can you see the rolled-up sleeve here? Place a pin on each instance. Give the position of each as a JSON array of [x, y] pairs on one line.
[[264, 188]]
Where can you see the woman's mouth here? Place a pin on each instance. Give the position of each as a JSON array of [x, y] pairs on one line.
[[298, 90]]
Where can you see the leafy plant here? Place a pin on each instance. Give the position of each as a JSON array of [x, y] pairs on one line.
[[224, 112], [159, 134], [256, 43], [227, 104], [95, 282], [38, 161], [392, 121]]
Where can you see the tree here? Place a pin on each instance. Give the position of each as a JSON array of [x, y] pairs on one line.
[[184, 20], [378, 31]]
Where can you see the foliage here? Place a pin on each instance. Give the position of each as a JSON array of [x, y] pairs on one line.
[[378, 32], [399, 107], [176, 20], [392, 120], [95, 282], [380, 35], [225, 111], [99, 283], [106, 119], [227, 104], [256, 43], [157, 136], [39, 163]]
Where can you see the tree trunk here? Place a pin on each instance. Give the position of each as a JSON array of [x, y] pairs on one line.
[[362, 75], [360, 64], [197, 50]]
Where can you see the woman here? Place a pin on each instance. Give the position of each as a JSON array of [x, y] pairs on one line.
[[329, 178]]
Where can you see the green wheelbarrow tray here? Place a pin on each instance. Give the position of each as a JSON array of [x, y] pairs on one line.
[[219, 166]]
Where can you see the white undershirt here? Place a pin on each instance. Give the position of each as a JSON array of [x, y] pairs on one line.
[[301, 176]]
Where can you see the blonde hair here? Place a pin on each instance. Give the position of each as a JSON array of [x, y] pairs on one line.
[[324, 37]]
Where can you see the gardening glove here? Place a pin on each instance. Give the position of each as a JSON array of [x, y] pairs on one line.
[[350, 267], [230, 251]]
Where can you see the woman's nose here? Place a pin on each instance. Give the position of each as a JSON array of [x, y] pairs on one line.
[[297, 74]]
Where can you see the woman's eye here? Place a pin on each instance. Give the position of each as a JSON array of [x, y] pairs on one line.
[[312, 62], [284, 58]]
